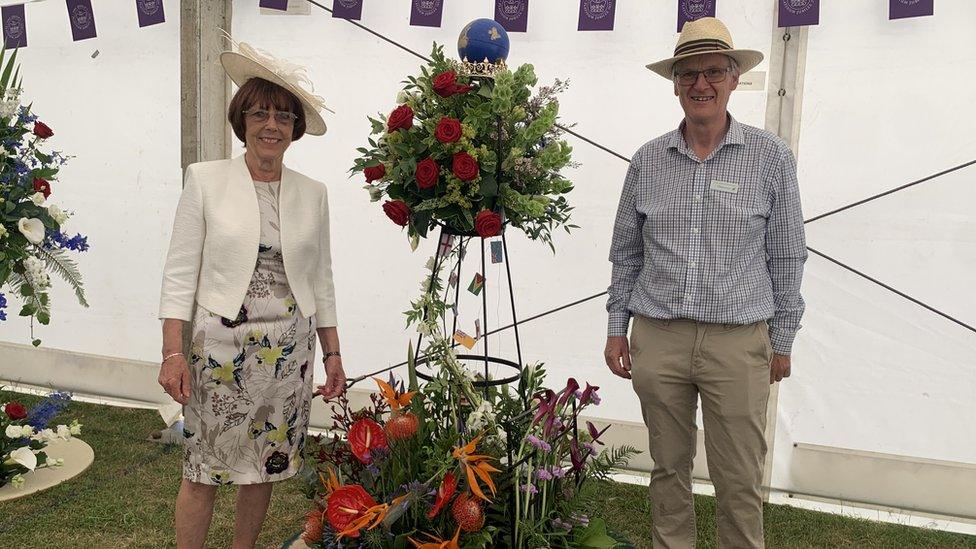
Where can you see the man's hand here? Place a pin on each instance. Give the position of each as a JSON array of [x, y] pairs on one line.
[[779, 368], [617, 355]]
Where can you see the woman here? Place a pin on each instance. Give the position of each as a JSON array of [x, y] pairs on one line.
[[250, 246]]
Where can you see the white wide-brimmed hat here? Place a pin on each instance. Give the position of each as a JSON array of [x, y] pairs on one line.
[[706, 35], [245, 62]]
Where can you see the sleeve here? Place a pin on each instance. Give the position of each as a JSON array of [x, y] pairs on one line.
[[182, 268], [325, 307], [626, 253], [786, 252]]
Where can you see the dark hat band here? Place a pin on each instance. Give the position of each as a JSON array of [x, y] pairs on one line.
[[696, 46]]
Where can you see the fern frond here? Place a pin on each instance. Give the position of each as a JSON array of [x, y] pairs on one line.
[[58, 262]]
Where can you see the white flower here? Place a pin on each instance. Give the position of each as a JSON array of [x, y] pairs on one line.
[[3, 231], [37, 198], [34, 270], [32, 228], [17, 481], [402, 97], [57, 214], [25, 457], [16, 431], [8, 108], [64, 433], [75, 428], [46, 436], [3, 151]]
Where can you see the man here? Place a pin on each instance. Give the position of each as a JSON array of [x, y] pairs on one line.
[[708, 252]]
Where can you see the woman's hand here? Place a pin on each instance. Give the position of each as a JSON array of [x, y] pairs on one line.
[[335, 380], [174, 376]]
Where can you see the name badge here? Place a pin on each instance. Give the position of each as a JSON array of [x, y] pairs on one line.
[[724, 186]]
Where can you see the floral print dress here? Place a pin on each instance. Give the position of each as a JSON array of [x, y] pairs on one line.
[[251, 377]]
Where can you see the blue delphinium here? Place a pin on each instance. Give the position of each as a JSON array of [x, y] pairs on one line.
[[76, 243], [41, 414], [3, 305]]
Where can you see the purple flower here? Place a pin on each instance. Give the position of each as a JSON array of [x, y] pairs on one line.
[[559, 523], [538, 443], [589, 395], [590, 448], [582, 520], [594, 433], [558, 472], [571, 386], [529, 488], [543, 474]]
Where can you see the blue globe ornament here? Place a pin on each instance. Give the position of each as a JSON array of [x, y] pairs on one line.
[[483, 39]]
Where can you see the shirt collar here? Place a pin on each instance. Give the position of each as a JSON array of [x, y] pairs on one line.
[[735, 135]]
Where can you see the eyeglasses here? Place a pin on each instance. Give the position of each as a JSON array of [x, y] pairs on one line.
[[282, 117], [712, 76]]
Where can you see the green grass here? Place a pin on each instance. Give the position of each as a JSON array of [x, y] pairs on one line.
[[126, 500]]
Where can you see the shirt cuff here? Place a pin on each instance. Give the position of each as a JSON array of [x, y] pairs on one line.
[[618, 324], [782, 342]]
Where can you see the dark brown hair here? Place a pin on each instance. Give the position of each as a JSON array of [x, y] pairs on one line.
[[262, 94]]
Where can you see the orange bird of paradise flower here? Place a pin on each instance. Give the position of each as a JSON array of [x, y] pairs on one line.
[[396, 401], [437, 543], [476, 466]]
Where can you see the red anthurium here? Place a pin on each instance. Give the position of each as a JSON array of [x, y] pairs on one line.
[[444, 494], [350, 508], [588, 394], [366, 435]]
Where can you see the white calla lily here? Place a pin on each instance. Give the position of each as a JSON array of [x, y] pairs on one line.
[[32, 228], [25, 457]]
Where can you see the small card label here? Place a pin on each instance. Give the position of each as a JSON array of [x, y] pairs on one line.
[[724, 186]]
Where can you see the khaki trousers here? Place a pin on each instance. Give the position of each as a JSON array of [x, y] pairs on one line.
[[673, 363]]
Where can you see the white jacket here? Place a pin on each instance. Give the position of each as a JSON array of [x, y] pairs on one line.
[[214, 247]]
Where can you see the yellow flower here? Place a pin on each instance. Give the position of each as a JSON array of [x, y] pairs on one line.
[[224, 373], [279, 434], [254, 337], [270, 355]]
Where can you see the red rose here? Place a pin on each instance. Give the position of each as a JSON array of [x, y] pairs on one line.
[[448, 130], [400, 119], [15, 411], [42, 186], [445, 84], [42, 130], [488, 224], [398, 211], [427, 172], [465, 166], [373, 173]]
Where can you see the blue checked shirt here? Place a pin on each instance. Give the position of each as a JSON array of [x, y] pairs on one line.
[[716, 240]]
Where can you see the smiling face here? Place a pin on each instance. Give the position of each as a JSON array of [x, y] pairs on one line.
[[258, 115], [267, 139], [703, 101]]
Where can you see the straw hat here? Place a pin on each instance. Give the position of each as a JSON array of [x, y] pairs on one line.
[[249, 62], [706, 35]]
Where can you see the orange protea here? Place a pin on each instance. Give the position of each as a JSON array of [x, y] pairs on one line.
[[468, 513], [437, 543], [313, 526], [476, 466], [351, 509], [444, 494]]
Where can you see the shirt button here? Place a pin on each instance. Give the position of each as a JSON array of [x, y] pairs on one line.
[[694, 230], [693, 264], [697, 198]]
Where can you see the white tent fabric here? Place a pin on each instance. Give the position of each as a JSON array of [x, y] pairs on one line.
[[884, 104]]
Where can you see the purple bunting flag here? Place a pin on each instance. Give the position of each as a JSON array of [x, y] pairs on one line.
[[900, 9], [82, 19], [14, 26], [347, 9], [426, 13], [512, 14], [274, 4], [150, 12], [689, 10], [798, 13], [596, 15]]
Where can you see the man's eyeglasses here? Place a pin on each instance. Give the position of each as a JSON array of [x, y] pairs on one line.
[[712, 76], [281, 117]]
